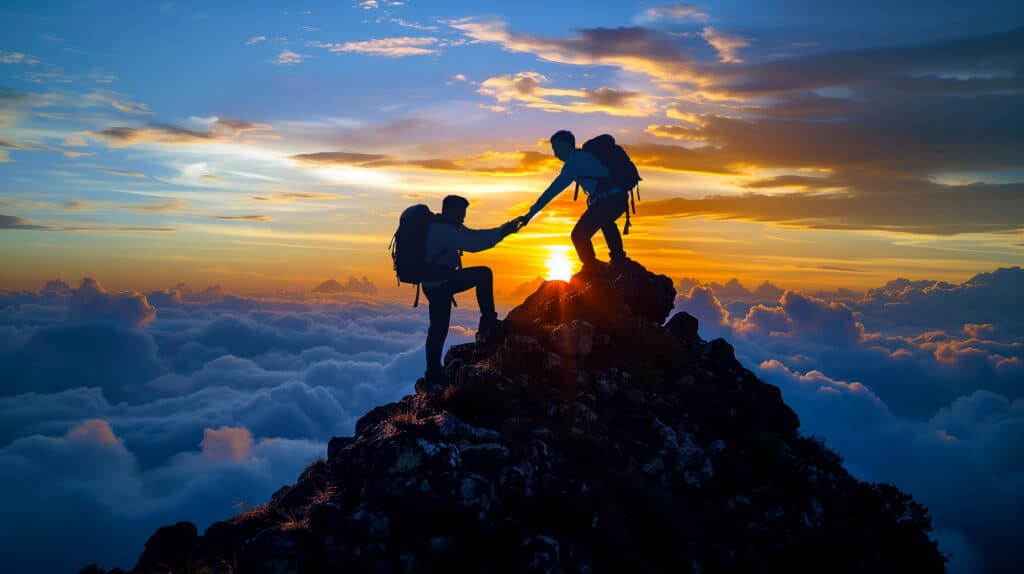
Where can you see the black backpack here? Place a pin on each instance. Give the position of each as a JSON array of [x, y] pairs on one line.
[[408, 248], [622, 169]]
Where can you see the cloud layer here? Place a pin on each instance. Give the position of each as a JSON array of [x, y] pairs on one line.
[[121, 412], [917, 383]]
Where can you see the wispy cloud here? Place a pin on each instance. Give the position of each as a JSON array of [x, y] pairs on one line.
[[389, 47], [526, 88], [489, 163], [634, 49], [255, 40], [120, 136], [674, 13], [166, 206], [253, 217], [114, 100], [123, 173], [18, 58], [728, 45], [288, 58]]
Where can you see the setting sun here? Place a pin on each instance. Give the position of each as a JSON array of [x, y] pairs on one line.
[[560, 265]]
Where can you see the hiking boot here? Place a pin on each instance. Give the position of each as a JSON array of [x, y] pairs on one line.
[[490, 324], [594, 266], [618, 260], [433, 380]]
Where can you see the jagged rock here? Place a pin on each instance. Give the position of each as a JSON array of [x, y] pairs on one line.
[[585, 437], [169, 548]]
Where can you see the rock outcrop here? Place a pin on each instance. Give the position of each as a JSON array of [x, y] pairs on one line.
[[588, 436]]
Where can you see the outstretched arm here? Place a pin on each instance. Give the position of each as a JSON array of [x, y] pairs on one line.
[[561, 182]]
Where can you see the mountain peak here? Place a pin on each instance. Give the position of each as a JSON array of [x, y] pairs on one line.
[[588, 436]]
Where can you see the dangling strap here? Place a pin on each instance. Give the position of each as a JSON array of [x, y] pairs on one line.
[[416, 303], [453, 301], [576, 194], [625, 229]]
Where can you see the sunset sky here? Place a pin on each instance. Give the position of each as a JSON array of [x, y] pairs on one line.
[[810, 144], [177, 177]]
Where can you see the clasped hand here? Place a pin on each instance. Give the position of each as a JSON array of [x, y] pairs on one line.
[[514, 225]]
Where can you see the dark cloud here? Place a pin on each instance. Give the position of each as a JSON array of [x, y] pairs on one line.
[[154, 133], [15, 222], [919, 208], [974, 58], [92, 302]]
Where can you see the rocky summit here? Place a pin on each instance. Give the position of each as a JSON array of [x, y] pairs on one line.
[[585, 435]]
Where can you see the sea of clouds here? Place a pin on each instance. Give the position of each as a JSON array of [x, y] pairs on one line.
[[917, 383], [123, 412]]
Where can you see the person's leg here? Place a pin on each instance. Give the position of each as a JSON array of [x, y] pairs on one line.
[[612, 209], [585, 228], [483, 279], [440, 315]]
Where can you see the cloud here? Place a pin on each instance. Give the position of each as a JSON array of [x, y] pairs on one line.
[[927, 208], [226, 443], [967, 447], [18, 58], [525, 88], [674, 13], [728, 45], [487, 163], [288, 58], [87, 488], [123, 173], [251, 217], [674, 132], [903, 387], [362, 286], [115, 101], [633, 49], [91, 302], [162, 206], [389, 47], [16, 222], [238, 127], [299, 196], [255, 40], [121, 136]]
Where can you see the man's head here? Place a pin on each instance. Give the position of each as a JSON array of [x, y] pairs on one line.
[[562, 143], [453, 208]]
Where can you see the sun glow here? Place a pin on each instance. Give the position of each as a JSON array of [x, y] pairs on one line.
[[560, 265]]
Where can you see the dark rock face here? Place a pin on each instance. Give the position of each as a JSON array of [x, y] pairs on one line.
[[586, 438]]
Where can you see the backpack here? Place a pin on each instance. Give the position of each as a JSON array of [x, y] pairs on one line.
[[408, 248], [622, 169]]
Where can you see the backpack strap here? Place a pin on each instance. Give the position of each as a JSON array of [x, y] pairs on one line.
[[416, 303], [576, 193]]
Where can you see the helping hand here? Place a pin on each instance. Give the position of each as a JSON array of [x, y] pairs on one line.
[[509, 227]]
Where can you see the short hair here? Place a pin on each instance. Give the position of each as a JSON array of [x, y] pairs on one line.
[[564, 135], [453, 202]]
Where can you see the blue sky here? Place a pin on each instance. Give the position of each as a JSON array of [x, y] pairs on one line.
[[201, 134]]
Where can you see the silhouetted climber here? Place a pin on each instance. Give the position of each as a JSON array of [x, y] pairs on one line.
[[446, 239], [608, 177]]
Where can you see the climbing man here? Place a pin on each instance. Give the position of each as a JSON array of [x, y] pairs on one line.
[[607, 181], [446, 239]]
